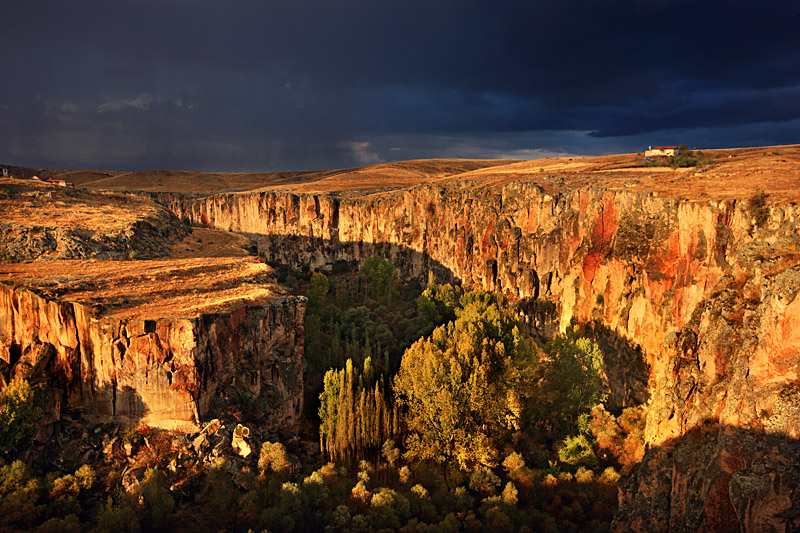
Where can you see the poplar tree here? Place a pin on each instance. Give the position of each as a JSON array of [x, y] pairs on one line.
[[356, 413]]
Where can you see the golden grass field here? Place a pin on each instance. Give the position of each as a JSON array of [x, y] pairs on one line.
[[735, 173]]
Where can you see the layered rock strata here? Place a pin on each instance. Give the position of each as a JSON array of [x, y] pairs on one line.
[[696, 304], [153, 342]]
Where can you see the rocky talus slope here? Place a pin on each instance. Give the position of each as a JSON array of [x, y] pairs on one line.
[[696, 303]]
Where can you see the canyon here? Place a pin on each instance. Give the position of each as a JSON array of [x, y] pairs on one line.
[[694, 298], [689, 280]]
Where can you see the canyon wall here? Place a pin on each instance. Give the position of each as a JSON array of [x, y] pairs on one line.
[[165, 373], [696, 306]]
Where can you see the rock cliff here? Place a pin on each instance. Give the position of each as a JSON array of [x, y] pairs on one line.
[[695, 302], [154, 343]]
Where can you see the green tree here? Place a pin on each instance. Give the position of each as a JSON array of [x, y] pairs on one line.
[[577, 451], [20, 492], [356, 413], [155, 502], [221, 500], [381, 277], [571, 385], [437, 305], [319, 292], [465, 385], [118, 518], [19, 416]]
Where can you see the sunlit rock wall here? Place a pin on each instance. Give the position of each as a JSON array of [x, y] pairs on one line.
[[163, 373]]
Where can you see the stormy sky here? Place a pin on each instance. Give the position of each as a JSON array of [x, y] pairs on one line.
[[248, 85]]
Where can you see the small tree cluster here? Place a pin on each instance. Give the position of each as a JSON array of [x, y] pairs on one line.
[[356, 413]]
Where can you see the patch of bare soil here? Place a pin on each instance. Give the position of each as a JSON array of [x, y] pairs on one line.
[[207, 242]]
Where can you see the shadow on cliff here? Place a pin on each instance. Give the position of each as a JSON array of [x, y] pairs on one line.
[[626, 370], [715, 478], [59, 394], [323, 255], [67, 405], [74, 425]]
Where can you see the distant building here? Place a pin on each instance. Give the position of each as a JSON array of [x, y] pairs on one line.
[[53, 181], [5, 172], [655, 151]]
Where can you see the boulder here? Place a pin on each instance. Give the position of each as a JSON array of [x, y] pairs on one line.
[[239, 441]]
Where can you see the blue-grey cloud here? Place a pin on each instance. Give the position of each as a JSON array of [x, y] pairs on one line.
[[263, 85]]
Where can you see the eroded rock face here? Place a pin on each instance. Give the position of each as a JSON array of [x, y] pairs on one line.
[[697, 308], [163, 373]]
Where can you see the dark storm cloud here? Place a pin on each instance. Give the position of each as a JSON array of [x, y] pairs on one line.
[[310, 84]]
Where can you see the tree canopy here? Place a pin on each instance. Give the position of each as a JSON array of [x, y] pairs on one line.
[[464, 385], [571, 383], [18, 416], [381, 277]]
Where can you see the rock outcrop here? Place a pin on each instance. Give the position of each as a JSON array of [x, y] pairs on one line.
[[696, 304], [109, 357], [47, 222]]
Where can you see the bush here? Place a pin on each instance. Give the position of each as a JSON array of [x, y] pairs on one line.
[[484, 482], [273, 457], [758, 208], [18, 416], [683, 161], [510, 494], [620, 439], [577, 451]]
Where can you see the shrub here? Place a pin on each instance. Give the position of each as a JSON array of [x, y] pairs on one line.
[[273, 457], [584, 475], [510, 494], [577, 451], [405, 474], [758, 208], [18, 416], [609, 476], [484, 482], [683, 160], [390, 452], [619, 438]]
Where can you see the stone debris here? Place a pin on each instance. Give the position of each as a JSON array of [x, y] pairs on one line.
[[200, 444], [239, 442], [221, 447], [212, 427]]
